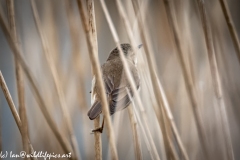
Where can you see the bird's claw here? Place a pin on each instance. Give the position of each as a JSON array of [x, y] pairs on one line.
[[97, 130]]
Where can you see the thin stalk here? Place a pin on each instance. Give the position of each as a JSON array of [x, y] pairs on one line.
[[160, 94], [56, 79], [187, 76], [155, 84], [231, 27], [171, 121], [137, 144], [117, 121], [218, 43], [19, 80], [158, 111], [216, 78], [97, 72], [129, 77], [17, 54], [98, 140], [14, 111], [77, 60], [141, 126], [76, 66], [93, 33], [10, 101]]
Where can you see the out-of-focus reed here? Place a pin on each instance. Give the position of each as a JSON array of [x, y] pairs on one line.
[[187, 107]]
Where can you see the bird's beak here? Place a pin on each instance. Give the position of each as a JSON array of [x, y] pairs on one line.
[[140, 46]]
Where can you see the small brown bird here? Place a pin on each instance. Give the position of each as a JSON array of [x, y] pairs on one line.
[[115, 81]]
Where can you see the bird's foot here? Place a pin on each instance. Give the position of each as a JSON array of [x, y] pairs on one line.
[[100, 129]]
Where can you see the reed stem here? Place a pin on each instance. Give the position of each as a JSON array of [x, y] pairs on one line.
[[98, 75]]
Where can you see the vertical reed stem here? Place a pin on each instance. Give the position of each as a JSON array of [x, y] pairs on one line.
[[19, 80], [128, 73], [93, 33], [158, 111], [56, 78], [14, 111], [17, 54], [137, 144], [187, 76], [231, 27], [161, 100], [99, 81], [216, 78], [149, 147], [77, 67], [98, 141]]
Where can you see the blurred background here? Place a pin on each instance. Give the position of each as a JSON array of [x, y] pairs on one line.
[[65, 37]]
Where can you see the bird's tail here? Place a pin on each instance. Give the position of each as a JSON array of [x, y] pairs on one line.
[[95, 110]]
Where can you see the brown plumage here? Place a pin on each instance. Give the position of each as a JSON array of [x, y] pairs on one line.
[[115, 81]]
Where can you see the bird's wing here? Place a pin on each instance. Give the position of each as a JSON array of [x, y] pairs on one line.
[[119, 95], [120, 100], [109, 84], [116, 92], [96, 108]]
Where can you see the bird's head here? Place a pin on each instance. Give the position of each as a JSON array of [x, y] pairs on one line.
[[127, 50]]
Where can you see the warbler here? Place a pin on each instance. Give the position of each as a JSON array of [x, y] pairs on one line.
[[116, 82]]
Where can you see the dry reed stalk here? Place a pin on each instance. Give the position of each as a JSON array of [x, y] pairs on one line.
[[231, 27], [50, 27], [99, 81], [137, 144], [141, 126], [216, 78], [14, 111], [93, 34], [157, 89], [147, 81], [19, 80], [129, 76], [56, 79], [17, 54], [174, 151], [78, 68], [10, 101], [98, 140], [161, 97], [188, 43], [187, 76], [158, 111], [117, 121], [78, 65], [220, 57], [171, 121]]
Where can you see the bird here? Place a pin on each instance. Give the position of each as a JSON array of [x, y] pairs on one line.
[[116, 83]]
